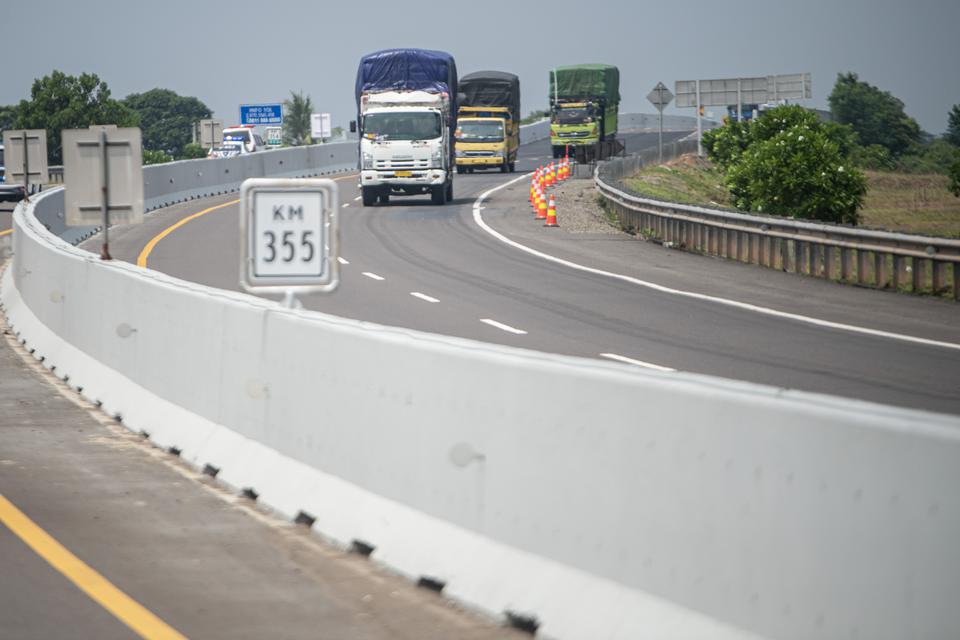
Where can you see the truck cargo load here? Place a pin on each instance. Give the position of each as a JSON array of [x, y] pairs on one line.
[[584, 81], [491, 89]]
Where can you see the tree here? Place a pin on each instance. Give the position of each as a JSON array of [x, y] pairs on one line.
[[166, 119], [876, 115], [8, 116], [59, 102], [954, 173], [296, 120], [151, 156], [953, 126]]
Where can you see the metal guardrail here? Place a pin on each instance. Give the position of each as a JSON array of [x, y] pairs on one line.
[[55, 174], [879, 259]]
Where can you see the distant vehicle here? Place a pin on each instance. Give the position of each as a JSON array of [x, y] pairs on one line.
[[244, 135], [488, 121], [406, 107], [3, 171], [584, 101], [227, 151]]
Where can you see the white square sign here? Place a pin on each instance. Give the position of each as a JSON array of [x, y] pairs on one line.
[[289, 237]]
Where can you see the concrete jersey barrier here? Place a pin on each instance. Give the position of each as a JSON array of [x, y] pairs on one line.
[[624, 503]]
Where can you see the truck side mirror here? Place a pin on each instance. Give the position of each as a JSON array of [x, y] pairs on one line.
[[353, 126]]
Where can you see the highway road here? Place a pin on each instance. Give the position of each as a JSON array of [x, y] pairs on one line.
[[458, 270]]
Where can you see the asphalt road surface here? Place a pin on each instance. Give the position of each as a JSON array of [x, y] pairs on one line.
[[437, 269]]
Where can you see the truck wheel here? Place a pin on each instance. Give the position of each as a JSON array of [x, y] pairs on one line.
[[450, 191], [438, 194], [369, 196], [556, 151], [460, 170], [384, 198], [505, 166], [513, 167]]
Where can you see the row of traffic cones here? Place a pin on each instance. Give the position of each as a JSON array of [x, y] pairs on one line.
[[545, 208]]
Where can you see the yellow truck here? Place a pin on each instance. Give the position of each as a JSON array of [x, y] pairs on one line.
[[488, 122]]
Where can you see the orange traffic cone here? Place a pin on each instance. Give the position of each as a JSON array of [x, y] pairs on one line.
[[542, 210], [551, 214]]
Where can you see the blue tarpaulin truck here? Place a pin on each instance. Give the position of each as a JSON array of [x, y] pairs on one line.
[[406, 109]]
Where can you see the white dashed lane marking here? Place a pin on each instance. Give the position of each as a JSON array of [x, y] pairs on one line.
[[639, 363], [423, 296], [373, 276], [343, 261], [357, 199], [503, 327]]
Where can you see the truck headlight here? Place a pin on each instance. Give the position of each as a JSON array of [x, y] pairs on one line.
[[367, 160], [498, 153], [459, 153], [436, 157], [595, 130]]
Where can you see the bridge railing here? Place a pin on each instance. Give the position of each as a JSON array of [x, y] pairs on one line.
[[867, 257]]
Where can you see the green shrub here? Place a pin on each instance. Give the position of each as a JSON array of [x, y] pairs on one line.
[[935, 156], [192, 151], [798, 172], [725, 144], [873, 157], [155, 157]]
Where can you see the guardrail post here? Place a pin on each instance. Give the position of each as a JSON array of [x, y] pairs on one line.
[[862, 266], [919, 271], [829, 262], [753, 246], [956, 281], [784, 254], [802, 253], [897, 276], [937, 277], [879, 269], [846, 265]]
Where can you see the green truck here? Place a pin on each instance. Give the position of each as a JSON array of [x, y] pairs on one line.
[[584, 101]]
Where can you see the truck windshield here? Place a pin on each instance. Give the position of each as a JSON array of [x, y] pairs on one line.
[[415, 125], [577, 115], [480, 131]]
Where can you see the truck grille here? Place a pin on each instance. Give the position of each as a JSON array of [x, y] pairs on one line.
[[573, 134], [402, 163], [478, 154]]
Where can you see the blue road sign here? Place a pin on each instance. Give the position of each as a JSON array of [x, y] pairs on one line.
[[261, 114]]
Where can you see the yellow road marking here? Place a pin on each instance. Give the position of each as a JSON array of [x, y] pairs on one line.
[[142, 258], [5, 232], [98, 588]]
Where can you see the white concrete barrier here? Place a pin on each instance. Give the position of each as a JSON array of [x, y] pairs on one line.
[[601, 500]]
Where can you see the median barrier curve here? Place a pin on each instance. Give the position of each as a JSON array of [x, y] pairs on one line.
[[625, 503]]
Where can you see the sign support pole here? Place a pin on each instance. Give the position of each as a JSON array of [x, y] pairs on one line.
[[105, 197], [26, 169], [699, 124], [660, 132]]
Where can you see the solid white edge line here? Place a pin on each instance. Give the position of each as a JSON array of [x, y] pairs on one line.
[[346, 204], [639, 363], [357, 199], [503, 327], [343, 261], [373, 276], [690, 294], [423, 296]]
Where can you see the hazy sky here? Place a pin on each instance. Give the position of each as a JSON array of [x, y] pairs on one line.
[[227, 53]]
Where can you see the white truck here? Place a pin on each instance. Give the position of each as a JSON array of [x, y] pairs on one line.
[[406, 104]]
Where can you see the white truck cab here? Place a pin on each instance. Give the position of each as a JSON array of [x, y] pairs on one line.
[[405, 146]]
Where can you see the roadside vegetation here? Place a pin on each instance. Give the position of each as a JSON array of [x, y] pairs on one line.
[[872, 165]]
